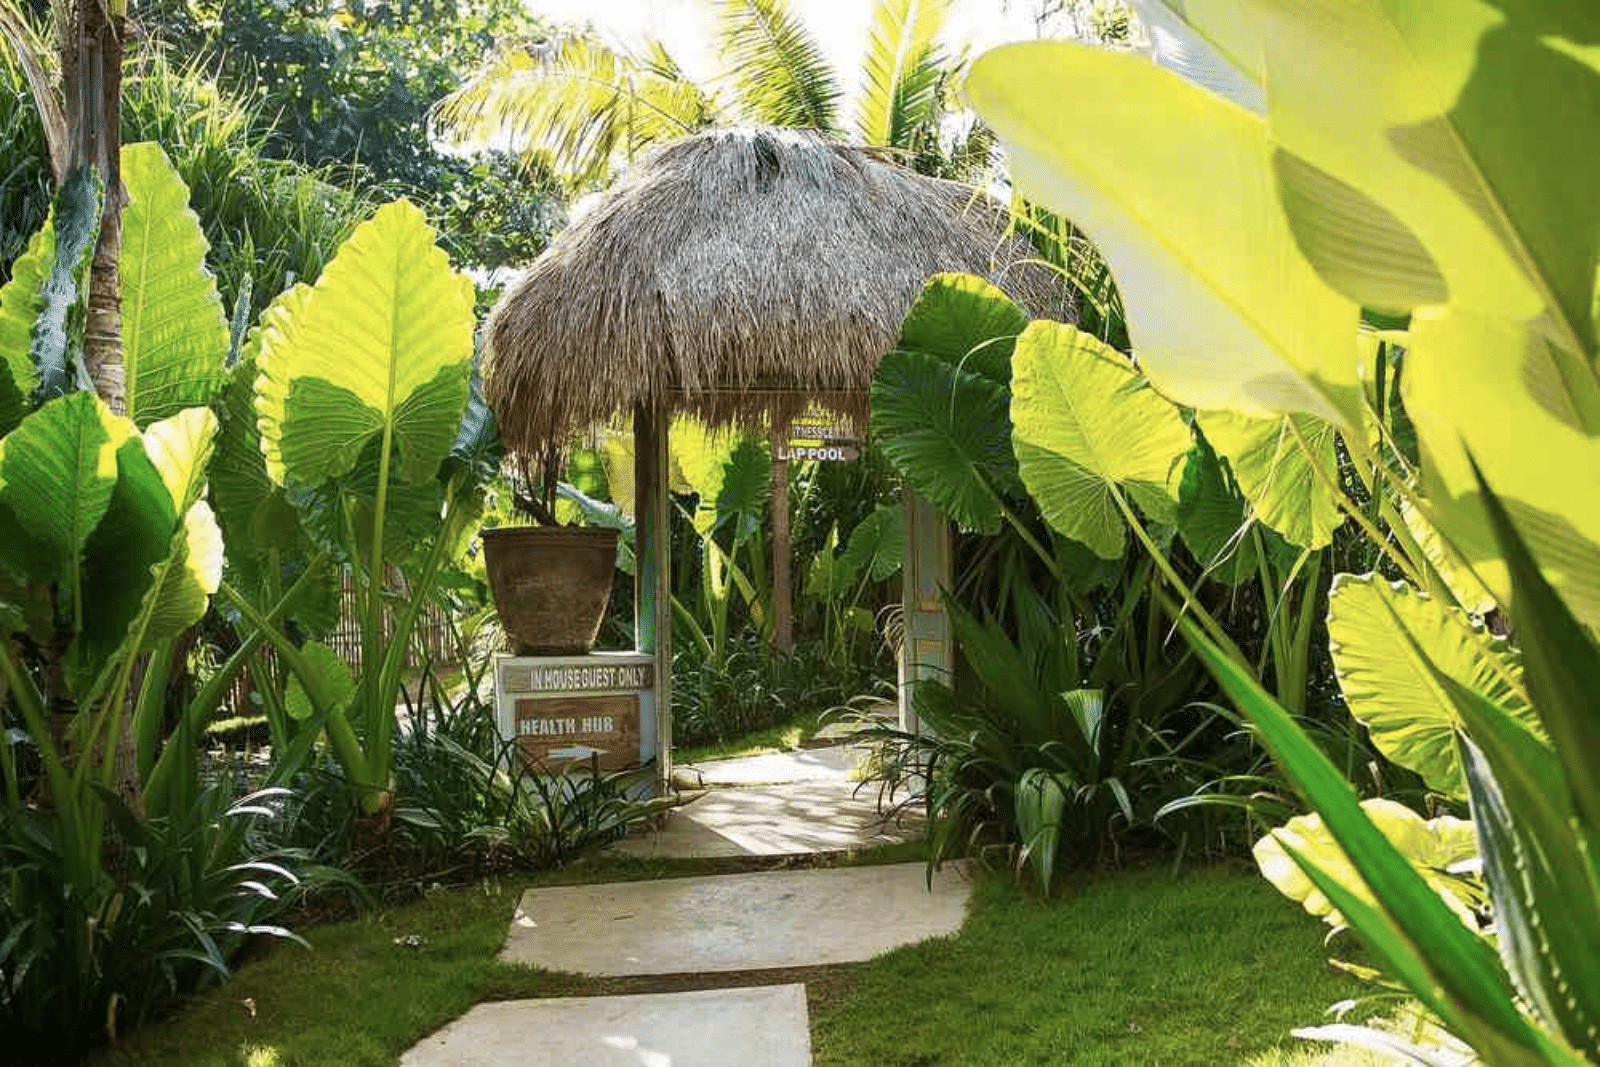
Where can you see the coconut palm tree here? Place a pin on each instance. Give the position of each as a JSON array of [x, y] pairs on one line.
[[587, 107]]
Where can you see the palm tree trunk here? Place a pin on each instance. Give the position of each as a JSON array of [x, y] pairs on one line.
[[91, 76], [91, 66]]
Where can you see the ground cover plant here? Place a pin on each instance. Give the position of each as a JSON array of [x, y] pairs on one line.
[[1127, 968]]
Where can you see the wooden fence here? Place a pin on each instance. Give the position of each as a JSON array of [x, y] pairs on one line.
[[431, 640]]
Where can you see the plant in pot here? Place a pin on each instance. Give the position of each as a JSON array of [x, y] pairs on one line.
[[551, 581]]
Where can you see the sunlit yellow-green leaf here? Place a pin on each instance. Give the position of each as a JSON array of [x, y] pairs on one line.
[[1434, 152], [20, 304], [1446, 563], [1529, 415], [1277, 474], [58, 471], [174, 332], [1432, 845], [381, 347], [1223, 311], [1086, 424], [1375, 631]]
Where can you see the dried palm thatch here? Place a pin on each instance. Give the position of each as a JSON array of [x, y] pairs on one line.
[[739, 275]]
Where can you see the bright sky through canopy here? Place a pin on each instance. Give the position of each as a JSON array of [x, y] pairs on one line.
[[689, 27]]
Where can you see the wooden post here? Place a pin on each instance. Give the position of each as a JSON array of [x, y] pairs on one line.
[[782, 595], [927, 652], [652, 588]]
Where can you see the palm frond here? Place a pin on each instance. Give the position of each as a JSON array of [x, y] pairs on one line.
[[778, 69], [576, 100], [29, 45], [902, 93]]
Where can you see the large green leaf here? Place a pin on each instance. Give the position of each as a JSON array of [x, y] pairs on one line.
[[379, 350], [156, 557], [1452, 122], [333, 673], [58, 331], [21, 302], [1289, 489], [731, 474], [1446, 563], [58, 471], [1529, 414], [1087, 425], [945, 431], [1447, 966], [1387, 641], [1213, 518], [967, 322], [1222, 311], [1432, 845], [174, 331], [877, 546]]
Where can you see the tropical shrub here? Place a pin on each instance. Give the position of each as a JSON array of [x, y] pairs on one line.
[[127, 883], [1403, 162]]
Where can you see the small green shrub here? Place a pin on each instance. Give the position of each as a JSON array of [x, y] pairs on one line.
[[178, 897]]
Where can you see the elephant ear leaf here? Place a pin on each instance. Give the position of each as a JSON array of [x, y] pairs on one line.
[[939, 401], [1387, 642], [157, 557], [946, 431], [58, 472], [58, 331], [379, 350], [174, 332], [967, 322], [1087, 425], [21, 301], [1286, 467]]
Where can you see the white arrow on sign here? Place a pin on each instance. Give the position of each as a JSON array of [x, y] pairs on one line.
[[575, 752]]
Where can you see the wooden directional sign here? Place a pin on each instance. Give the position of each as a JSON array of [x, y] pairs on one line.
[[820, 435], [557, 730]]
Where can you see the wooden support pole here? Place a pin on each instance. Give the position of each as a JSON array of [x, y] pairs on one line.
[[782, 594], [927, 651], [652, 589]]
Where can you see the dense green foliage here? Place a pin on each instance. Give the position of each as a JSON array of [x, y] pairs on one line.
[[1417, 172]]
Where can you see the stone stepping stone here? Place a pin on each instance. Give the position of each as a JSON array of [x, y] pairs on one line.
[[784, 820], [763, 1027], [735, 922]]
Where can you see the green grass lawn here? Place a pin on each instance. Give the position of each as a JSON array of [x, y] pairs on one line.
[[1136, 967], [779, 738]]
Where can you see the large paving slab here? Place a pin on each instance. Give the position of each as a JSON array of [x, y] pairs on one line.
[[735, 922], [783, 820], [763, 1027]]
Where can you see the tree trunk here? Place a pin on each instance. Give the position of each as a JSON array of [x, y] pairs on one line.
[[91, 66], [91, 75]]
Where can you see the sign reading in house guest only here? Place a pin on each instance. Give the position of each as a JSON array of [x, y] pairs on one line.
[[578, 678]]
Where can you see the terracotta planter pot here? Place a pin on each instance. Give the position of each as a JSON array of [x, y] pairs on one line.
[[551, 584]]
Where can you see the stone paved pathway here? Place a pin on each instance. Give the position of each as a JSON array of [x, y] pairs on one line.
[[780, 804]]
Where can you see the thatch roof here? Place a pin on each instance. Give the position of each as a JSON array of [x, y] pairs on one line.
[[738, 274]]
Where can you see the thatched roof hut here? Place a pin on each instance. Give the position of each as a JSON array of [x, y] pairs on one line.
[[738, 274]]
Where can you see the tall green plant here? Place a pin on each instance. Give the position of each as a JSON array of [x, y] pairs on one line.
[[361, 392], [123, 885]]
